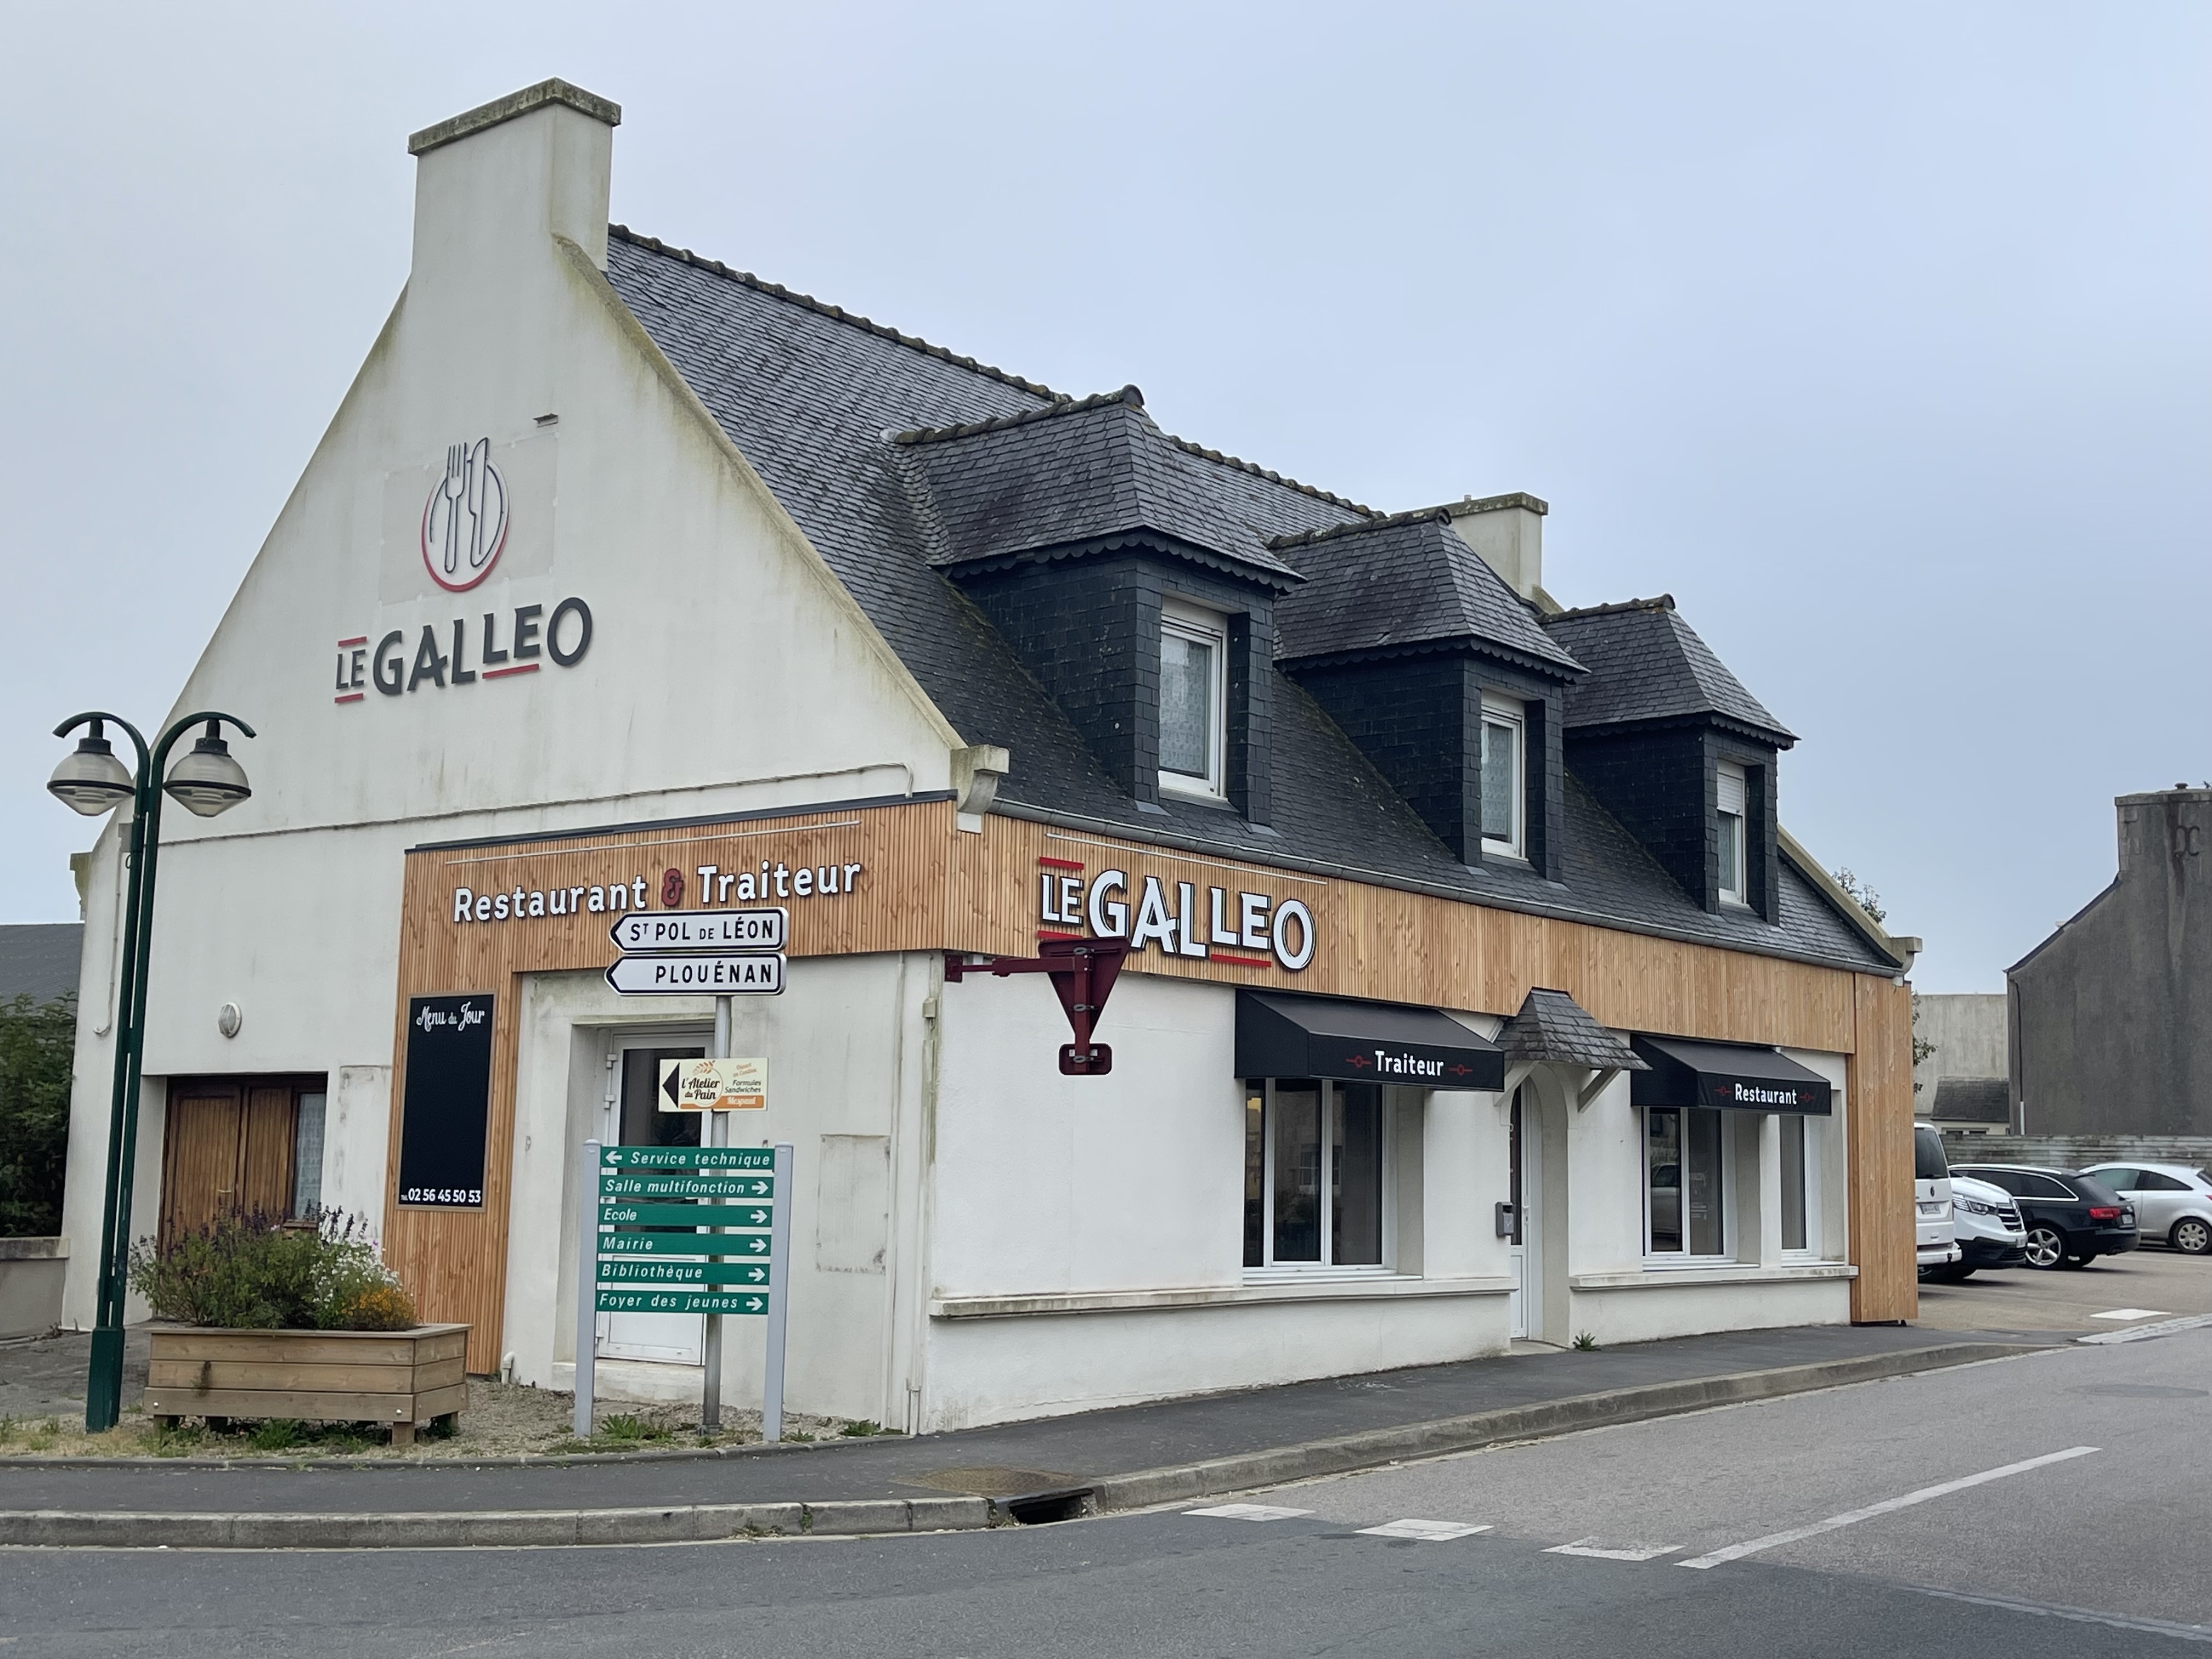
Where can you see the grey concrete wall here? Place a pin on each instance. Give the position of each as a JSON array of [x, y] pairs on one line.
[[2076, 1152], [2114, 1011], [31, 1274], [1968, 1031]]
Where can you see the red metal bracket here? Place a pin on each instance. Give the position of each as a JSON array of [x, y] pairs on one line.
[[1083, 973]]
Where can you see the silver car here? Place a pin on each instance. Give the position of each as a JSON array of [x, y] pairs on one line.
[[2174, 1202]]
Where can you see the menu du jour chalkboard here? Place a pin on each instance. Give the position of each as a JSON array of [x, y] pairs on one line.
[[448, 1101]]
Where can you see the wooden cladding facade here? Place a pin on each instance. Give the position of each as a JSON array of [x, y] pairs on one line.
[[908, 879]]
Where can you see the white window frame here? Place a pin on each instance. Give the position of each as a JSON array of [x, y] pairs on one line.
[[1181, 619], [1503, 711], [1270, 1271], [1733, 780], [1729, 1205], [1815, 1134]]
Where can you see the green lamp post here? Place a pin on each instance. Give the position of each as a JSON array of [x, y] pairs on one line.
[[206, 781]]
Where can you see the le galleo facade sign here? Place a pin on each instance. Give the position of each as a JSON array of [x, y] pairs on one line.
[[464, 527], [1194, 919]]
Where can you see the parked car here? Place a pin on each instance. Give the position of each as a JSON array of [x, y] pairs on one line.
[[2174, 1202], [1936, 1241], [2072, 1219], [1990, 1232]]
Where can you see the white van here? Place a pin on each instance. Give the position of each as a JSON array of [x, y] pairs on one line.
[[1933, 1230]]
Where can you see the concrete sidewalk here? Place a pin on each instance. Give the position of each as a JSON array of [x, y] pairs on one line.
[[1048, 1469]]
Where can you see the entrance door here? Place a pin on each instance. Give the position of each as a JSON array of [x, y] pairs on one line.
[[1521, 1143], [634, 1087]]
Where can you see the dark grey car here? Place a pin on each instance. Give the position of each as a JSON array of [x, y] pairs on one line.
[[2071, 1219]]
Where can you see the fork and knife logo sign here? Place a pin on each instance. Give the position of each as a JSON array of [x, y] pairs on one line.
[[465, 520]]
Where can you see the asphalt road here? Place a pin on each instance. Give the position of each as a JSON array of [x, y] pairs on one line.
[[2093, 1554], [2069, 1298]]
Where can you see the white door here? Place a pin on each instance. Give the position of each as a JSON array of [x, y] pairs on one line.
[[632, 1118], [1522, 1186]]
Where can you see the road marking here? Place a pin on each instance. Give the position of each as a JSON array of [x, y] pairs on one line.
[[1852, 1517], [2133, 1313], [2164, 1327], [2079, 1615], [1248, 1512], [1432, 1532], [1604, 1552]]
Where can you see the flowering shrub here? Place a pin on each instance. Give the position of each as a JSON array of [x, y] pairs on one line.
[[256, 1271]]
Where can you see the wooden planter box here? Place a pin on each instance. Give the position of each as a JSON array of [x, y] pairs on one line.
[[402, 1379]]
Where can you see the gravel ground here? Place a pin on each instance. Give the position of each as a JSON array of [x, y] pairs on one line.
[[502, 1420]]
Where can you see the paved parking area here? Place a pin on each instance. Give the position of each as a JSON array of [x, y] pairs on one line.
[[2069, 1299]]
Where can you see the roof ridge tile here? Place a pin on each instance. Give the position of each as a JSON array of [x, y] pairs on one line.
[[1384, 521], [1063, 406]]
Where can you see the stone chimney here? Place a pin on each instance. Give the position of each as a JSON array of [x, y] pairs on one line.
[[1508, 533], [2171, 827]]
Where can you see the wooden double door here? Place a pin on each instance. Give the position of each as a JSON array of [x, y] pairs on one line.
[[234, 1146]]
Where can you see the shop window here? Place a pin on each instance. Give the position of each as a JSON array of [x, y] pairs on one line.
[[1685, 1183], [1735, 863], [1504, 777], [1193, 699], [1316, 1156]]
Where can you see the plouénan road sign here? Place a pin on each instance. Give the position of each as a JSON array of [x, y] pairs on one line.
[[692, 974]]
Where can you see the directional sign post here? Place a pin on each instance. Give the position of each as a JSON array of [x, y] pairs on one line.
[[639, 1253], [697, 972], [645, 932]]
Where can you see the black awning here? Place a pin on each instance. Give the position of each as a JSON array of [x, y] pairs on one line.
[[1733, 1075], [1283, 1035]]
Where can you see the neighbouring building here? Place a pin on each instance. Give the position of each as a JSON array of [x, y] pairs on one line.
[[40, 960], [1960, 1085], [1474, 990], [2111, 1015]]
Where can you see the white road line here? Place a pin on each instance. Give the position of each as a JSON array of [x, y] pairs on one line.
[[2133, 1313], [1249, 1512], [2078, 1615], [1604, 1552], [1852, 1517], [1430, 1532], [2137, 1333]]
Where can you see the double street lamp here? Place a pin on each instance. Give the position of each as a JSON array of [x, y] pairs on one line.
[[206, 781]]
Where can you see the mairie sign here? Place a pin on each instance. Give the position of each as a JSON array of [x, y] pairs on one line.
[[743, 1246]]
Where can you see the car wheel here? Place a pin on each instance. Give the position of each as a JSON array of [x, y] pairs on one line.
[[2046, 1247], [2190, 1236]]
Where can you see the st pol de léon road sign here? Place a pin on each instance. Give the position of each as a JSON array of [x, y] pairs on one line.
[[714, 952]]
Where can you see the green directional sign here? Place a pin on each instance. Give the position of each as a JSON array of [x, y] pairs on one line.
[[620, 1272], [687, 1158], [684, 1301], [678, 1184], [685, 1215], [743, 1246]]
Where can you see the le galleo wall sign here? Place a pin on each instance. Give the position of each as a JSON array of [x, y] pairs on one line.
[[1194, 919]]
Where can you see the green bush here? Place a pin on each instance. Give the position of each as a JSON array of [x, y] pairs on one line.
[[259, 1272], [37, 1044]]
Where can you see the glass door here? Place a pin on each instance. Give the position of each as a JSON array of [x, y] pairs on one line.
[[1519, 1144], [635, 1100]]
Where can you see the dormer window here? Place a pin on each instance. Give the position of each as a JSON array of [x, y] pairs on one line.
[[1504, 772], [1734, 862], [1193, 699]]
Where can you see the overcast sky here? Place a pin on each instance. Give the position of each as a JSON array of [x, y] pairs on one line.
[[1876, 335]]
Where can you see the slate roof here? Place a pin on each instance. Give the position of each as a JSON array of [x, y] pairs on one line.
[[815, 398], [1078, 473], [1972, 1099], [39, 959], [1646, 663], [1400, 583], [1552, 1026]]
